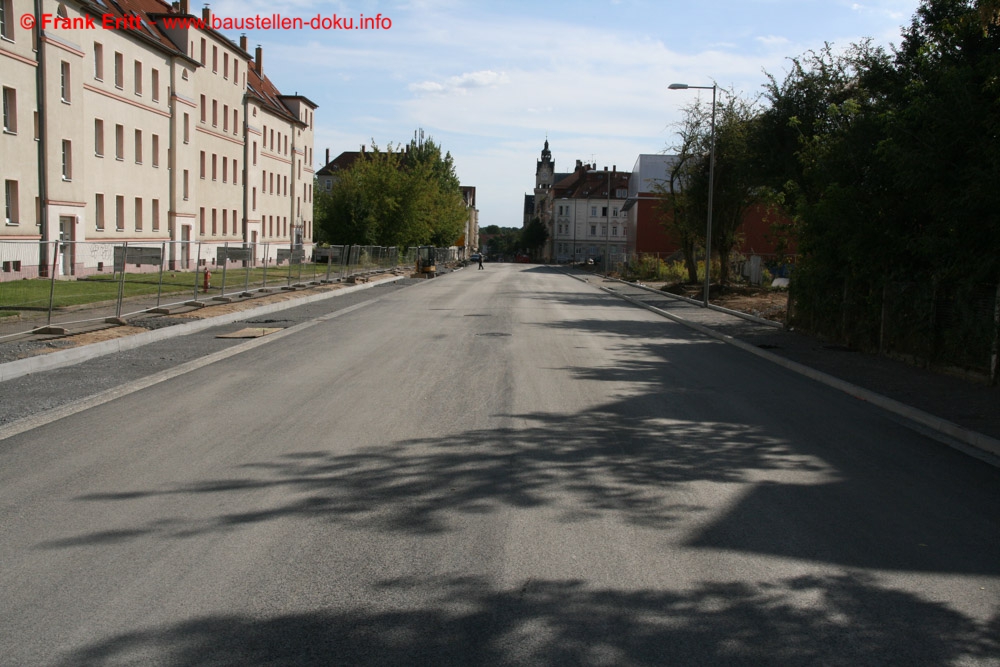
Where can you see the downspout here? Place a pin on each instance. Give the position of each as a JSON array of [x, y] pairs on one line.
[[43, 190]]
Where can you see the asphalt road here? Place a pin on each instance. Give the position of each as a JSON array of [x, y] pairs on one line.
[[494, 467]]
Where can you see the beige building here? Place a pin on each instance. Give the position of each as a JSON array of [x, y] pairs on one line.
[[148, 133]]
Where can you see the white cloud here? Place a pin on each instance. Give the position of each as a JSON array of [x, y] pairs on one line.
[[462, 83]]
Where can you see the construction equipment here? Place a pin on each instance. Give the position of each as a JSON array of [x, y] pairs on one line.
[[426, 261]]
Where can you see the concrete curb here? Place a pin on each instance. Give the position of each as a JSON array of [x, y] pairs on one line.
[[937, 425], [62, 358]]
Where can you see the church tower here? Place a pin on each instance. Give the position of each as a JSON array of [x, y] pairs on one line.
[[545, 169]]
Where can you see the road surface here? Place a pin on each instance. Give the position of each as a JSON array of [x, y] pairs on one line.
[[494, 467]]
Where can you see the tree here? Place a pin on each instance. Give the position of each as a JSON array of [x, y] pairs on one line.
[[735, 186], [395, 197], [534, 235]]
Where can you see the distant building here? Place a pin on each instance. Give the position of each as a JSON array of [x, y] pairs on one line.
[[589, 221], [642, 205], [470, 237], [648, 220], [149, 134]]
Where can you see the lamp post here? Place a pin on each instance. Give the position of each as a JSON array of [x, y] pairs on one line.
[[711, 183]]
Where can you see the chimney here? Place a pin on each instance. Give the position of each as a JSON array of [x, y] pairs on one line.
[[243, 42], [362, 148], [259, 61], [327, 156], [185, 9], [206, 15]]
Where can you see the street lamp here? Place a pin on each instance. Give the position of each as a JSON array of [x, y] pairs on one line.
[[711, 183]]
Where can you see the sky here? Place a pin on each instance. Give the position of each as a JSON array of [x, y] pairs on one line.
[[490, 81]]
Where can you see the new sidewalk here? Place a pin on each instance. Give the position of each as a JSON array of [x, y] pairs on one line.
[[955, 409]]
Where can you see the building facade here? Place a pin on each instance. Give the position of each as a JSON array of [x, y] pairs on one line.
[[155, 130]]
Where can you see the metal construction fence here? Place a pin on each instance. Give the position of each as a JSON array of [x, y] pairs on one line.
[[926, 323], [72, 283]]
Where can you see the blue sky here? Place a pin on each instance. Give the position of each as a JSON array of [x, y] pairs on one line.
[[489, 80]]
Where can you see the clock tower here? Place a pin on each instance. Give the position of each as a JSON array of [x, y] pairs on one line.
[[545, 169]]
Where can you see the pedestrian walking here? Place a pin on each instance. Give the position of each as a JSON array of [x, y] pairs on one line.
[[480, 257]]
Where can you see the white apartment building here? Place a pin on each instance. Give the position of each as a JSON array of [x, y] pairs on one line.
[[146, 135], [588, 220]]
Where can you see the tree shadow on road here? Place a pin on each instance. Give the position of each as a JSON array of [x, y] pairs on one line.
[[838, 620]]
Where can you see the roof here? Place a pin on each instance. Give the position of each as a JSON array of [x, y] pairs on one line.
[[587, 184], [149, 14]]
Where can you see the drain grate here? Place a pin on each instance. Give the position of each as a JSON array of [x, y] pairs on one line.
[[493, 333]]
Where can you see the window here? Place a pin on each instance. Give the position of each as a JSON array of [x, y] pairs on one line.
[[7, 19], [36, 125], [225, 66], [98, 61], [614, 230], [184, 184], [255, 153], [204, 50], [187, 128], [593, 230], [120, 213], [614, 212], [593, 211], [236, 120], [9, 110], [225, 117], [67, 160], [138, 146], [119, 142], [138, 214], [98, 137], [99, 212], [621, 193], [254, 198], [119, 71], [604, 230], [138, 78], [215, 113], [201, 166], [154, 215], [154, 83], [225, 169], [236, 71], [214, 163], [201, 221], [203, 108], [11, 216], [235, 171], [215, 222], [64, 82], [156, 150], [604, 211], [215, 59], [225, 221]]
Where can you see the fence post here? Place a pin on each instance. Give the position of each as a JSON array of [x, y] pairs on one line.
[[225, 264], [197, 270], [163, 258], [995, 359], [266, 260], [52, 276], [121, 281]]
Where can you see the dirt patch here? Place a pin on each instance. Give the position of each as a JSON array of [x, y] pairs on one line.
[[111, 332], [758, 301]]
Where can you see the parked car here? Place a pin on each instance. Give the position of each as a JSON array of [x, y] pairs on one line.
[[475, 257]]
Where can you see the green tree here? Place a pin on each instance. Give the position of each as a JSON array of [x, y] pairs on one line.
[[534, 235], [395, 197]]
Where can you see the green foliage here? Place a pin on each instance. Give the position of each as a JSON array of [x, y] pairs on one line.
[[506, 240], [888, 163], [394, 197], [534, 235]]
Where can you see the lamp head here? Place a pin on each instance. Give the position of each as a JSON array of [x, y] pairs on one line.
[[678, 86]]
